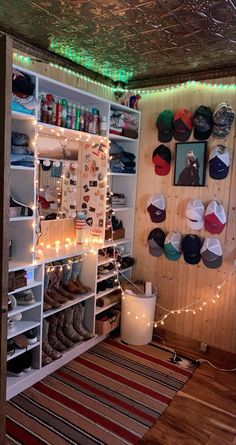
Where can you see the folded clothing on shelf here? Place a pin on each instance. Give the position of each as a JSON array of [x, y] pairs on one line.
[[123, 123], [21, 154], [112, 298], [121, 161]]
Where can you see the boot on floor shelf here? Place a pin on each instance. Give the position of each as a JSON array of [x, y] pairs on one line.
[[53, 340], [47, 349], [68, 329], [78, 316]]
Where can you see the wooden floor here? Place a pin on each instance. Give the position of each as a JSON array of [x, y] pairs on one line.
[[203, 413]]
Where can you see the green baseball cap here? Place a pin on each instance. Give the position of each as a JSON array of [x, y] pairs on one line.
[[165, 126], [172, 246]]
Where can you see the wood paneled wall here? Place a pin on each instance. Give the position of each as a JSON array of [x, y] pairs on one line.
[[179, 283]]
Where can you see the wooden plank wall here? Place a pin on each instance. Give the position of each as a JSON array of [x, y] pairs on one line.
[[178, 282]]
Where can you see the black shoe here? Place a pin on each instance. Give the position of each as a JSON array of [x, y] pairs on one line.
[[31, 337], [15, 367], [26, 360], [11, 348]]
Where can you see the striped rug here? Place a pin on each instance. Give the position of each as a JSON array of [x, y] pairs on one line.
[[110, 395]]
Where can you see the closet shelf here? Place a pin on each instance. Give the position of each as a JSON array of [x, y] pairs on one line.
[[31, 285], [78, 135], [23, 326], [20, 309], [69, 303], [118, 137], [106, 292], [21, 351], [22, 116], [104, 308]]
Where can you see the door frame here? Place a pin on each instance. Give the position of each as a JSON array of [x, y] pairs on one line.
[[6, 54]]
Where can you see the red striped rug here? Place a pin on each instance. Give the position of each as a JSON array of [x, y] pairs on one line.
[[110, 395]]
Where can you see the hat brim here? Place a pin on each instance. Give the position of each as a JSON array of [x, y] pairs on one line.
[[219, 133], [192, 259], [182, 137], [198, 225], [214, 230], [163, 171], [158, 219], [215, 264], [156, 252], [218, 175], [162, 137], [202, 135], [172, 256]]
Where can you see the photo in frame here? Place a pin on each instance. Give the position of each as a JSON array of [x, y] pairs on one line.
[[190, 164]]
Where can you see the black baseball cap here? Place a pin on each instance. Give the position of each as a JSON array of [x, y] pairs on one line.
[[191, 246], [203, 123], [165, 126]]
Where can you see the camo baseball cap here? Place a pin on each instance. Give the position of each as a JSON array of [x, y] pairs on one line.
[[223, 117]]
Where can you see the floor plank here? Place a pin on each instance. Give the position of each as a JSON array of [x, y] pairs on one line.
[[202, 413]]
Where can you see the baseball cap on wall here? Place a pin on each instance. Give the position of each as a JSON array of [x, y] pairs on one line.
[[223, 117], [156, 208], [155, 241], [203, 123], [219, 162], [215, 217], [161, 158], [211, 252], [172, 246], [183, 124], [194, 213], [191, 246], [165, 126]]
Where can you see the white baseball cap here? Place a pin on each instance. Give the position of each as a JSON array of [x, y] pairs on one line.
[[195, 212]]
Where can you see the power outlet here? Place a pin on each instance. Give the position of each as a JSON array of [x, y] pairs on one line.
[[203, 347]]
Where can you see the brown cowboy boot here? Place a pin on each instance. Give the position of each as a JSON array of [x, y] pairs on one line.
[[78, 317], [50, 301], [82, 286], [71, 287], [47, 349], [54, 294]]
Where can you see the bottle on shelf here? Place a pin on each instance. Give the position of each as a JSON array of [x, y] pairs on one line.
[[73, 116], [59, 113], [64, 113], [54, 111], [103, 126], [43, 109], [82, 120], [69, 115], [77, 120], [49, 103]]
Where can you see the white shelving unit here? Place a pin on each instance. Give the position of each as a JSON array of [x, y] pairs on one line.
[[22, 231]]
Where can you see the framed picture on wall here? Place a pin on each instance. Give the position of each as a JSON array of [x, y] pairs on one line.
[[190, 164]]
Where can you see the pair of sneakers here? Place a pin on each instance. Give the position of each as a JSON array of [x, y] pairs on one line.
[[17, 366]]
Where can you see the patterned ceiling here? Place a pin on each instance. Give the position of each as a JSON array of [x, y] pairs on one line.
[[129, 40]]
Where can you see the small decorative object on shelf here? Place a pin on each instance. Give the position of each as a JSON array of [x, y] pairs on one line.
[[80, 226]]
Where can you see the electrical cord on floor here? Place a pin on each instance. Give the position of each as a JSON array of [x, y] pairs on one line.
[[200, 361]]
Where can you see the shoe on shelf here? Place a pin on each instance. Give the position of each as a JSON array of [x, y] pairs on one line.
[[53, 340], [73, 288], [103, 270], [21, 341], [68, 329], [11, 347], [50, 301], [78, 317], [82, 286], [46, 359], [47, 349], [46, 307], [25, 298], [15, 367], [56, 296], [59, 333], [67, 294], [11, 326], [31, 337], [26, 360], [17, 208]]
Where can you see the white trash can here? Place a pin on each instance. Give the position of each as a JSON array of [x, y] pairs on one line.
[[137, 317]]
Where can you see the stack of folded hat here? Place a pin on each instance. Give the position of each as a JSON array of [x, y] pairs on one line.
[[23, 99], [21, 153], [121, 161]]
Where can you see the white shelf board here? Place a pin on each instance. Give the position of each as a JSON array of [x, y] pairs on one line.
[[56, 253], [21, 351], [17, 265], [22, 116], [22, 218], [106, 292], [105, 261], [81, 135], [20, 309], [31, 285], [69, 303], [122, 209], [22, 167], [107, 275], [121, 174], [23, 326], [102, 309], [116, 242], [19, 384], [119, 137], [117, 106]]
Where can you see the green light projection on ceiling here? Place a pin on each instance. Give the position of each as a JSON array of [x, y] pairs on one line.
[[83, 58]]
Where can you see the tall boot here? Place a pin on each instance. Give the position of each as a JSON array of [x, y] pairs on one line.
[[46, 359], [63, 339], [47, 349], [78, 317], [50, 301], [68, 329], [66, 293], [52, 337], [75, 273], [54, 294], [60, 274]]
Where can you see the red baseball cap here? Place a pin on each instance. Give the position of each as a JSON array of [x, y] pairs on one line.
[[161, 158], [215, 217], [183, 124]]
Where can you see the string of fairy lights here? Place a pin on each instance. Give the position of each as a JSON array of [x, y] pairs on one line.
[[147, 91]]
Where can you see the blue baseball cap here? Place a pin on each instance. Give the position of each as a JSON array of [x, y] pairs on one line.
[[219, 162]]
